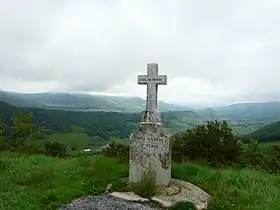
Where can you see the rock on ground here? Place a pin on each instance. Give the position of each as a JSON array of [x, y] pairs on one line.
[[181, 191], [107, 202]]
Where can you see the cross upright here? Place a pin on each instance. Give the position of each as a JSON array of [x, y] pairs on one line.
[[152, 80]]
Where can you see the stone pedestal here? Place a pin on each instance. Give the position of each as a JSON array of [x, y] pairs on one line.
[[150, 150]]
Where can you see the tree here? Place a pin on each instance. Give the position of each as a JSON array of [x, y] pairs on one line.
[[55, 149], [213, 142], [24, 132], [178, 149]]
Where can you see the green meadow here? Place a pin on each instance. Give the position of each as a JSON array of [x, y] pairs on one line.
[[40, 182]]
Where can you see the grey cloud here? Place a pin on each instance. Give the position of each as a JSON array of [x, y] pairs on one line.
[[94, 45]]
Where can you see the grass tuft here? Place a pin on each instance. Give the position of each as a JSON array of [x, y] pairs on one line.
[[146, 187]]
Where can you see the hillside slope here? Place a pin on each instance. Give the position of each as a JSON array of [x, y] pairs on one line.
[[82, 102], [267, 133], [19, 100], [266, 111], [97, 124]]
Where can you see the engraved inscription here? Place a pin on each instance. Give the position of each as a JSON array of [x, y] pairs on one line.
[[148, 145], [146, 79], [160, 139]]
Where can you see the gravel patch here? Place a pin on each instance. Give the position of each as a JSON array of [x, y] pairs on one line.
[[107, 202]]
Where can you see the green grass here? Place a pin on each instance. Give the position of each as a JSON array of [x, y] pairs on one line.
[[39, 182], [243, 130], [233, 188], [276, 143], [77, 139]]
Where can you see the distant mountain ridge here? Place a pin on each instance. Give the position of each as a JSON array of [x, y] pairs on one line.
[[19, 100], [265, 112], [261, 111], [82, 102]]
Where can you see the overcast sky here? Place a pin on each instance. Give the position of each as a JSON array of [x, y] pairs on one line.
[[213, 52]]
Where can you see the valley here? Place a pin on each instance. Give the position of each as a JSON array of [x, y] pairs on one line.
[[67, 118]]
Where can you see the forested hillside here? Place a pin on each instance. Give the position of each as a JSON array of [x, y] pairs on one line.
[[97, 124], [267, 133]]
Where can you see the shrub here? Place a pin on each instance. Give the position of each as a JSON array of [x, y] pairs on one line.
[[55, 149], [117, 150], [262, 156], [252, 156], [272, 160], [213, 142]]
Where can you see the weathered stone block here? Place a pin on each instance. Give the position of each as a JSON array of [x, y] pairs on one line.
[[150, 150]]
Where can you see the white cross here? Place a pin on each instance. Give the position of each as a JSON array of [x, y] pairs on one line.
[[152, 80]]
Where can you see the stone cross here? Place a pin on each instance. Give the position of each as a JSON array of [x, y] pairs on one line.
[[149, 147], [152, 80]]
